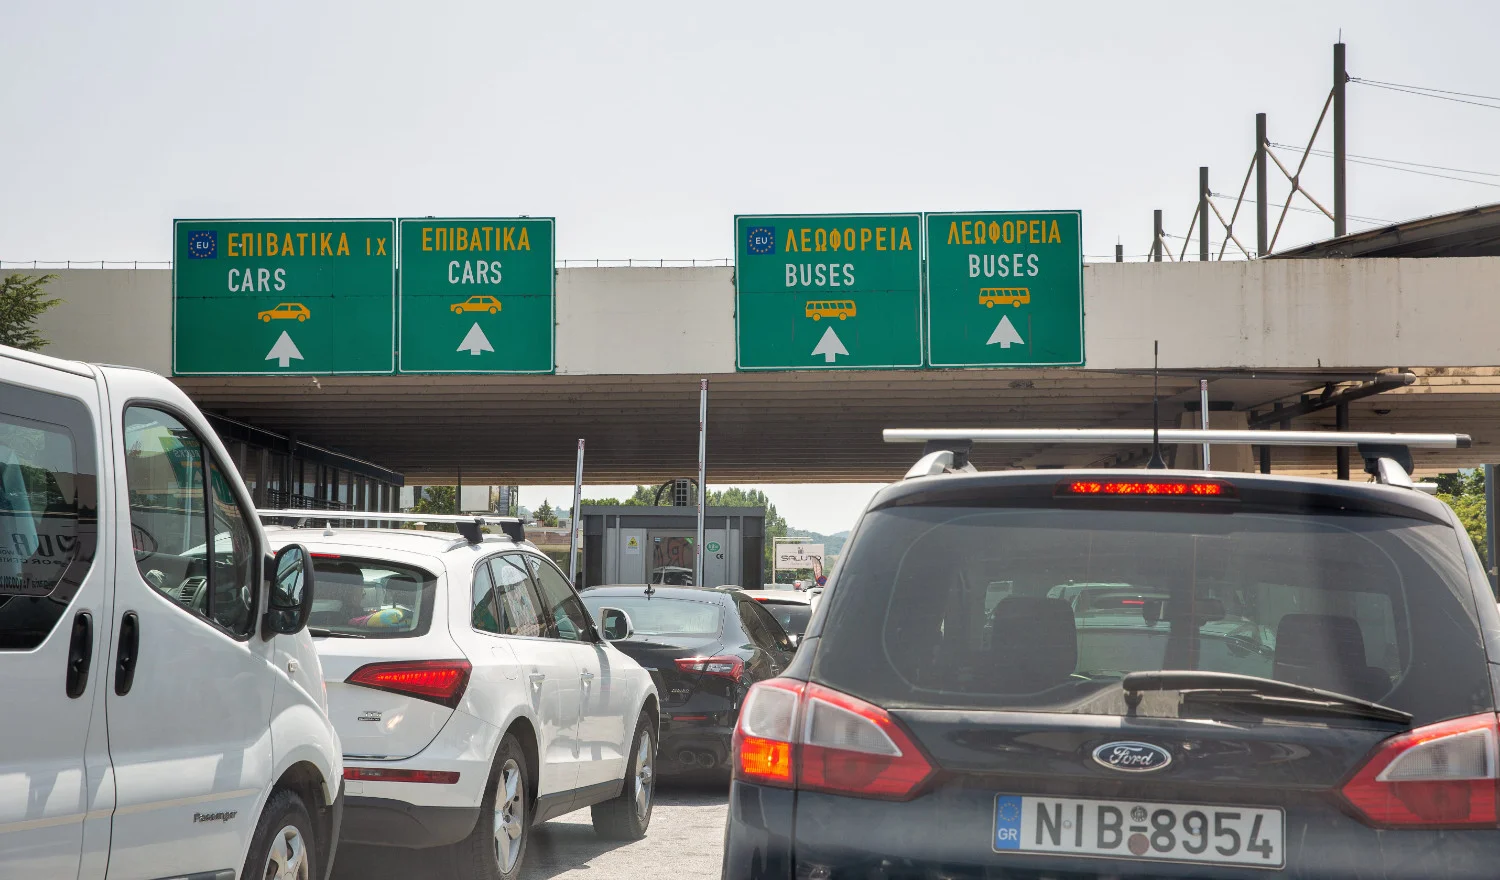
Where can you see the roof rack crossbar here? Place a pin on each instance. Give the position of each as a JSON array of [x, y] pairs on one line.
[[1142, 436], [468, 526]]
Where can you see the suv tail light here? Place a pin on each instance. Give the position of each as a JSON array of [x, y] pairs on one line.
[[808, 737], [723, 667], [1441, 775], [440, 681]]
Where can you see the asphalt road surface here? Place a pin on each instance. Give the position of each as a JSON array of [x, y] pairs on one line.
[[687, 832]]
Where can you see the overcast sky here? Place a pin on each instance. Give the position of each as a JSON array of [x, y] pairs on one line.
[[643, 127]]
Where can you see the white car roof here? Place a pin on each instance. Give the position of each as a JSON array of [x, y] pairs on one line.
[[434, 544]]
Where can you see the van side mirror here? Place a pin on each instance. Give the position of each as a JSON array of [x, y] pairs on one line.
[[291, 592], [615, 625]]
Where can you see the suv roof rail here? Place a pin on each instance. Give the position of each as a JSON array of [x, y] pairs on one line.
[[468, 526], [1387, 457]]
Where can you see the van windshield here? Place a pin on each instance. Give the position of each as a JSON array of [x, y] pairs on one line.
[[1048, 609]]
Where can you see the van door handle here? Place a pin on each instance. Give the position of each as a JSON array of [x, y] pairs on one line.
[[80, 654], [130, 645]]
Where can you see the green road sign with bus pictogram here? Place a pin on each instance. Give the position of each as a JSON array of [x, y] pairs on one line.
[[1005, 289], [477, 295], [828, 291], [253, 297]]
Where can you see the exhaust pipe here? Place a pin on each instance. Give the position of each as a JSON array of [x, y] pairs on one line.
[[687, 757], [707, 761]]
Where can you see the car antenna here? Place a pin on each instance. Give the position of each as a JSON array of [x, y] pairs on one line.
[[649, 590], [1156, 462]]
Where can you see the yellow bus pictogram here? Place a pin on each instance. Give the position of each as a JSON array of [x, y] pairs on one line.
[[830, 308], [1013, 296]]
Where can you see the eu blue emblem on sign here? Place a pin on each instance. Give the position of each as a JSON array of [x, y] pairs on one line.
[[1007, 822], [761, 240], [203, 245]]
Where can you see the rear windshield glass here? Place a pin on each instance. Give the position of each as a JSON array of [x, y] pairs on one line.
[[793, 618], [658, 616], [371, 597], [1048, 609]]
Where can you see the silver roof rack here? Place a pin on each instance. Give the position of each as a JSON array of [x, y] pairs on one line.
[[468, 526], [1387, 457]]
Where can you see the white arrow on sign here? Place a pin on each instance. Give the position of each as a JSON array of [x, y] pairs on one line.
[[475, 341], [1005, 334], [830, 346], [284, 350]]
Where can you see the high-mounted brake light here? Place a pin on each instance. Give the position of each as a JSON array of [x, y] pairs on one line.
[[1442, 775], [440, 681], [808, 737], [1154, 488], [326, 556], [722, 667], [392, 774]]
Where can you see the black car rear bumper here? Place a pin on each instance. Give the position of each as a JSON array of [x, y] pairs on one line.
[[387, 822], [774, 834], [694, 746]]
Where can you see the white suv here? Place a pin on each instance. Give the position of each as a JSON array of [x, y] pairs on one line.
[[473, 695], [164, 712]]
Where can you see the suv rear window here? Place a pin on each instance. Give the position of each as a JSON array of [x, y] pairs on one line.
[[1047, 609], [371, 597]]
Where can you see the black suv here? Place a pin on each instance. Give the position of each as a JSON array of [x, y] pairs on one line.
[[1263, 673]]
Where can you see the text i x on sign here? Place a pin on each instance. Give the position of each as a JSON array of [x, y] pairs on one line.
[[477, 295], [828, 291], [1005, 289], [283, 296]]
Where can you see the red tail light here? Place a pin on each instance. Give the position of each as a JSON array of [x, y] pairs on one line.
[[1167, 488], [723, 667], [382, 774], [441, 681], [1442, 775], [808, 737]]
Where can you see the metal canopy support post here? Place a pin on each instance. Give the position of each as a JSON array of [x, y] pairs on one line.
[[1261, 215], [1341, 421], [1340, 178], [1203, 411], [1156, 236], [702, 479], [573, 525], [1489, 528], [1203, 213], [1119, 253]]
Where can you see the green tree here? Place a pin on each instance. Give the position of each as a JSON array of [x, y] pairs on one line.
[[1464, 492], [546, 516], [776, 526], [22, 302], [441, 500], [601, 502]]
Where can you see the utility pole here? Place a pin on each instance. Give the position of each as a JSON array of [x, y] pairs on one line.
[[1156, 236], [1340, 179], [1203, 213], [1261, 215]]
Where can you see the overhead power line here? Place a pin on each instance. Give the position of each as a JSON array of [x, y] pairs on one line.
[[1398, 165], [1439, 94], [1229, 198], [1326, 153]]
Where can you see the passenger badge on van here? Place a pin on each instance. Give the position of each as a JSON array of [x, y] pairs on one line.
[[1132, 757]]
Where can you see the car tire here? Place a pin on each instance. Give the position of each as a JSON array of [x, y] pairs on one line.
[[284, 844], [627, 816], [989, 305], [265, 319], [485, 854], [493, 310], [817, 317], [301, 317]]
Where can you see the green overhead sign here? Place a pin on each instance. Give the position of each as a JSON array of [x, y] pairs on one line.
[[477, 295], [283, 296], [1005, 289], [828, 291]]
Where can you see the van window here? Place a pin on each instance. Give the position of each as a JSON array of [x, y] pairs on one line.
[[47, 511], [170, 517]]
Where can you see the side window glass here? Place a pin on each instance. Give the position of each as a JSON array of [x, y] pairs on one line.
[[486, 615], [47, 511], [519, 608], [233, 600], [771, 626], [752, 625], [563, 608], [171, 508]]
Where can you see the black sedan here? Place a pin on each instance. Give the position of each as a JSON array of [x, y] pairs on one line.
[[704, 648]]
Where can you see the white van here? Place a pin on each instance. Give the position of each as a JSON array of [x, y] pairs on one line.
[[164, 712]]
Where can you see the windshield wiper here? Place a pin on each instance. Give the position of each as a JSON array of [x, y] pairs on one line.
[[1228, 687], [331, 633]]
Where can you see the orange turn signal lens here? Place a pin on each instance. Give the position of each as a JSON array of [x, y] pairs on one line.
[[765, 760]]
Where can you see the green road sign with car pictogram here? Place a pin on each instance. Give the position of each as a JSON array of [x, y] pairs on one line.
[[283, 296]]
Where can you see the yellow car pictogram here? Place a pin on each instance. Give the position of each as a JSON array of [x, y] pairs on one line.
[[477, 304], [285, 312]]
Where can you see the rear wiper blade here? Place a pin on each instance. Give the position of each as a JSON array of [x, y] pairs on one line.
[[1267, 692], [324, 631]]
